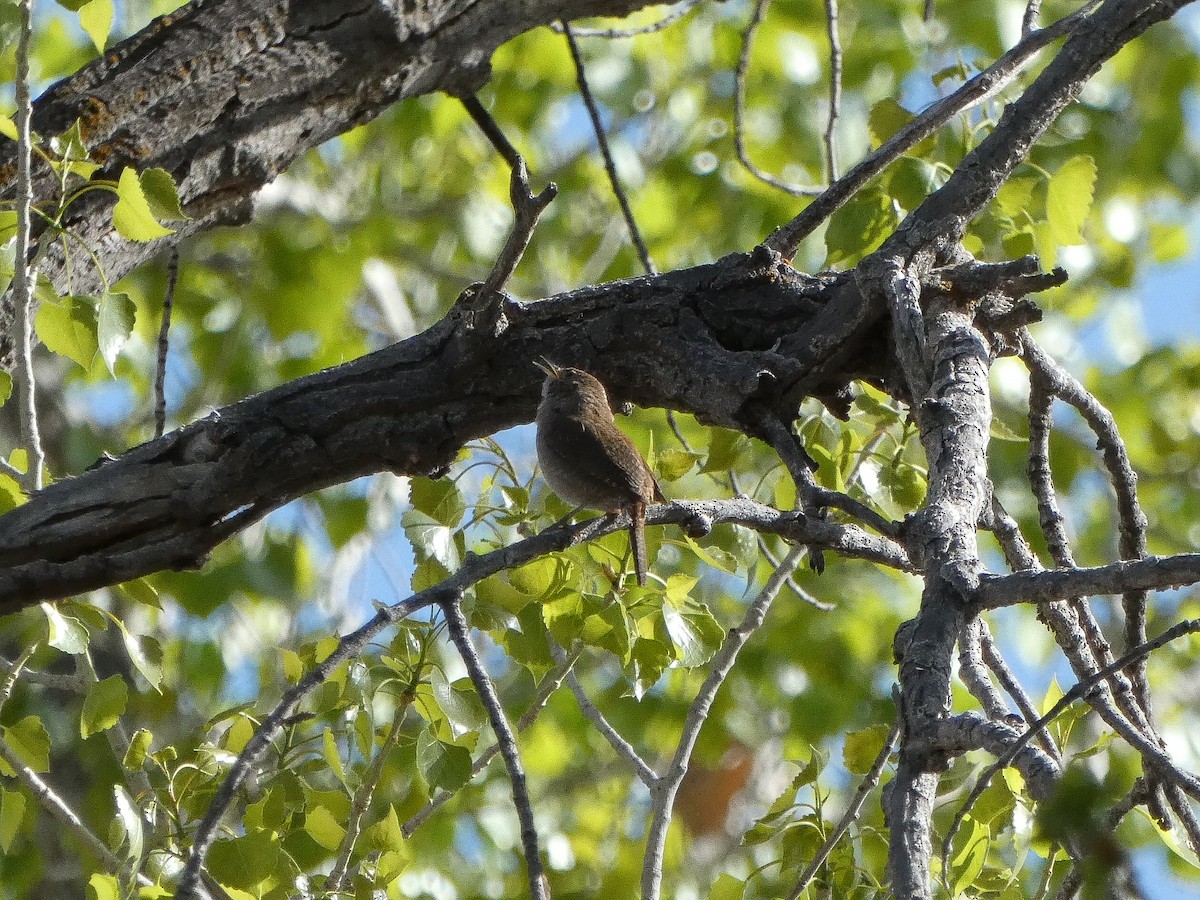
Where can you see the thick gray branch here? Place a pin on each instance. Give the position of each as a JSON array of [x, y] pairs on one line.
[[697, 340], [226, 94]]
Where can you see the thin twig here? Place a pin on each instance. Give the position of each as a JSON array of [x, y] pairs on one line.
[[24, 275], [739, 111], [164, 337], [527, 206], [1131, 519], [609, 165], [336, 881], [616, 33], [1077, 691], [456, 623], [786, 239], [548, 686], [592, 713], [665, 789], [350, 646], [835, 88], [42, 792], [1029, 21], [870, 780], [973, 672], [1012, 685]]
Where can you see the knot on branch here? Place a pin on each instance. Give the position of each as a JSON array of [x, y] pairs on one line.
[[482, 311]]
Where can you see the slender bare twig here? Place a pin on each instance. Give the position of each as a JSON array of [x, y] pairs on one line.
[[739, 110], [870, 780], [664, 790], [1077, 691], [42, 792], [610, 166], [24, 274], [348, 647], [592, 713], [681, 10], [973, 672], [72, 683], [336, 881], [164, 345], [527, 206], [1131, 519], [548, 686], [835, 88], [459, 630], [1029, 21], [1046, 585], [1012, 685], [786, 239]]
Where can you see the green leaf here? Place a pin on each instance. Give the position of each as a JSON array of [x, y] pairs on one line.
[[5, 387], [11, 495], [859, 227], [139, 748], [679, 589], [162, 195], [247, 861], [385, 835], [459, 702], [430, 539], [695, 633], [140, 590], [441, 500], [333, 758], [969, 861], [674, 464], [726, 887], [12, 811], [103, 706], [238, 735], [101, 886], [132, 216], [68, 328], [114, 324], [862, 747], [67, 633], [73, 5], [1069, 198], [538, 578], [323, 828], [650, 659], [29, 740], [130, 821], [443, 765], [8, 128], [145, 653], [1015, 198], [96, 18]]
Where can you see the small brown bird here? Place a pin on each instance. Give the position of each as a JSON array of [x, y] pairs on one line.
[[587, 459]]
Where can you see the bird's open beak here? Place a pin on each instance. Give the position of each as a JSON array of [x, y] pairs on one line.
[[548, 367]]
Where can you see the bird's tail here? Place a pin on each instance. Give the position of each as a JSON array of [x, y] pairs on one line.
[[637, 540]]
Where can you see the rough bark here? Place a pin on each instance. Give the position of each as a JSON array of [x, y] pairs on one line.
[[226, 94]]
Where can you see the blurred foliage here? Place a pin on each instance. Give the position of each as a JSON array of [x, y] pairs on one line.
[[366, 241]]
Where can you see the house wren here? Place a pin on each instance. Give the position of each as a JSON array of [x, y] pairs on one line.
[[586, 459]]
